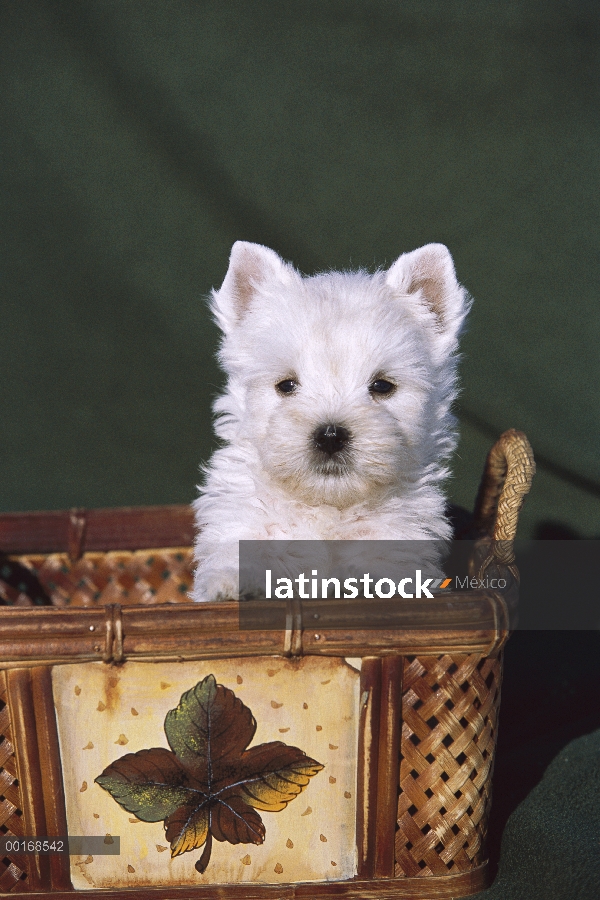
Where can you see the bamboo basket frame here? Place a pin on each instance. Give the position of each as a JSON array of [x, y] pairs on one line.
[[428, 719]]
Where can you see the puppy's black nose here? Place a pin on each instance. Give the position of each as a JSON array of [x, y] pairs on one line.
[[331, 438]]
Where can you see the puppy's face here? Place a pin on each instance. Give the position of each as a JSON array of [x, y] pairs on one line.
[[340, 382]]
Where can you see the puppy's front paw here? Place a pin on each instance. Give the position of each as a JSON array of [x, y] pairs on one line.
[[215, 586]]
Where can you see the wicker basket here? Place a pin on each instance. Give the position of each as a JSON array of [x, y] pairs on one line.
[[426, 722]]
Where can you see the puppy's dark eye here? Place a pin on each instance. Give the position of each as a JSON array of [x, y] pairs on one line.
[[381, 387], [287, 386]]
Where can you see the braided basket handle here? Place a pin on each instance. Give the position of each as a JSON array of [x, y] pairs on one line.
[[507, 477]]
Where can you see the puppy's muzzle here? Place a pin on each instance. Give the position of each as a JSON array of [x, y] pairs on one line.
[[330, 439]]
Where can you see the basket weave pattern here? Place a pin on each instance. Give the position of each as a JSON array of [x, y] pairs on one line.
[[142, 577], [438, 791], [449, 715], [13, 867]]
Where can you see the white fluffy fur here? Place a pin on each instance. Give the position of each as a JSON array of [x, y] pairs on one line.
[[334, 333]]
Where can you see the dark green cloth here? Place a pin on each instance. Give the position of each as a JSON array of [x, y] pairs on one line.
[[550, 847], [139, 139], [550, 711]]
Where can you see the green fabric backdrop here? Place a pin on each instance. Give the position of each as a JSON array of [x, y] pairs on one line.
[[140, 139]]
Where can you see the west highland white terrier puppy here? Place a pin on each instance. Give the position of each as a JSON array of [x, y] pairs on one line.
[[336, 419]]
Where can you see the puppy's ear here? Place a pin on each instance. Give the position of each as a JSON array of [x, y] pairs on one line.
[[429, 274], [251, 266]]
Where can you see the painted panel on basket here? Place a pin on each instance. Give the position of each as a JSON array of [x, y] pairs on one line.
[[105, 714]]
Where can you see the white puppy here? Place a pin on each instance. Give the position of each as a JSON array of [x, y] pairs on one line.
[[336, 420]]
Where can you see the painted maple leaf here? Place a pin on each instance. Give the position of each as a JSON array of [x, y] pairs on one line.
[[209, 784]]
